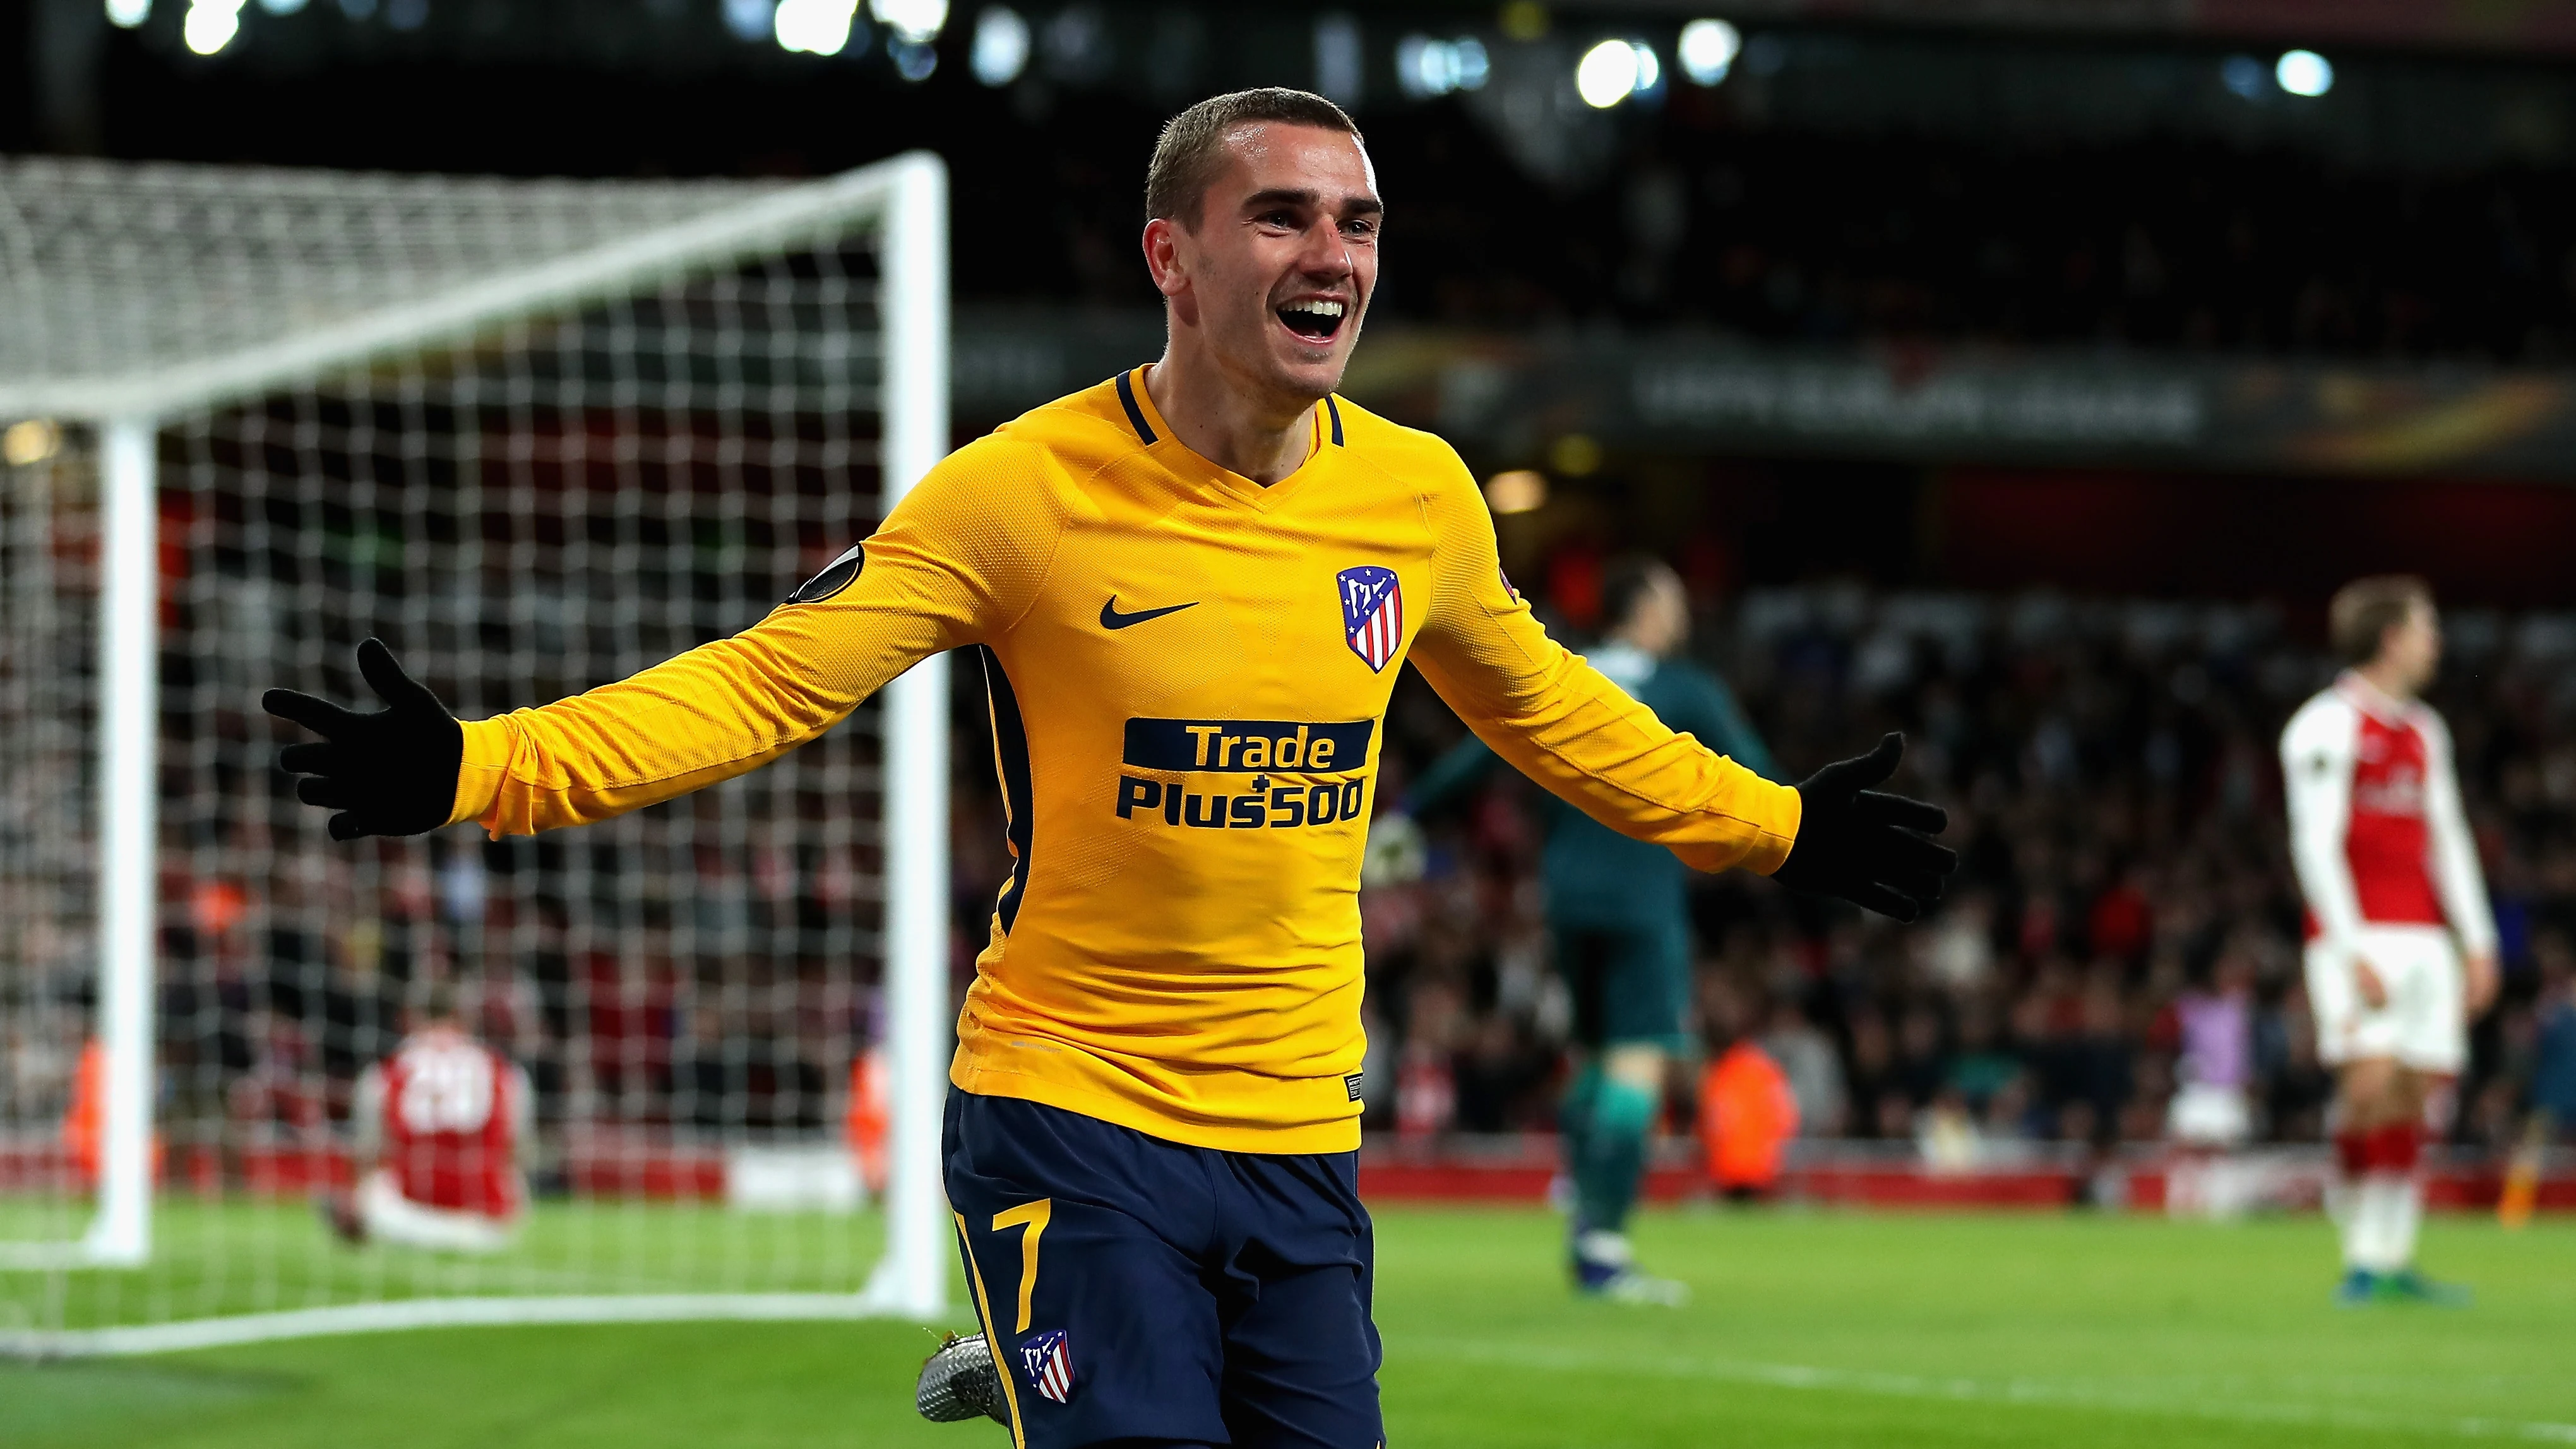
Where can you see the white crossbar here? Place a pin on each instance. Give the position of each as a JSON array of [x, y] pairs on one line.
[[783, 217]]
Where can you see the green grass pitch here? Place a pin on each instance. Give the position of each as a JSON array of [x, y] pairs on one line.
[[1809, 1329], [256, 1257]]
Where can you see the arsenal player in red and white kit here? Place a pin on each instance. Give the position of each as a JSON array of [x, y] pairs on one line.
[[2401, 944], [438, 1125]]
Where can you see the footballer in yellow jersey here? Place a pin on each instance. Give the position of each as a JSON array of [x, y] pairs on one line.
[[1191, 589]]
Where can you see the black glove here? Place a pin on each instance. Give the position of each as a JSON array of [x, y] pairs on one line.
[[1864, 846], [392, 772]]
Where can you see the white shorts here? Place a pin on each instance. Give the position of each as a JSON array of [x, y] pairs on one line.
[[391, 1217], [2203, 1115], [2423, 1024]]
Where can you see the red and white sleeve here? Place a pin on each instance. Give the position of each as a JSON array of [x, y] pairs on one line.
[[2317, 751], [2454, 863]]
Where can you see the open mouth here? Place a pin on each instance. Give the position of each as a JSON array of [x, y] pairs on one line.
[[1314, 318]]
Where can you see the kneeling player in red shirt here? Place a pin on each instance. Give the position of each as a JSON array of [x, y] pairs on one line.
[[438, 1127]]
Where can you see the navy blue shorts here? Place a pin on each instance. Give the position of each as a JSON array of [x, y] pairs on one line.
[[1136, 1288]]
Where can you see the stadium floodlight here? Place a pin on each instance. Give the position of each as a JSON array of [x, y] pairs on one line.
[[750, 20], [1707, 51], [210, 25], [127, 14], [914, 22], [538, 435], [814, 27], [1422, 66], [1614, 70], [2303, 73], [1469, 64], [1001, 48], [29, 441], [1425, 67], [914, 60], [1607, 74]]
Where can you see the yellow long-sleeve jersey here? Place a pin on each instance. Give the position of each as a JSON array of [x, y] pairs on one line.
[[1188, 673]]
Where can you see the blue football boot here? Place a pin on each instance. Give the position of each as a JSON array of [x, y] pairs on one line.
[[2408, 1286]]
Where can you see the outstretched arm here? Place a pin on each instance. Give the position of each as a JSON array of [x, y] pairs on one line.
[[957, 560], [1557, 720], [718, 711]]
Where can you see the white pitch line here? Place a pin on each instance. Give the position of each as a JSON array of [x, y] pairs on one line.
[[1967, 1390], [402, 1314]]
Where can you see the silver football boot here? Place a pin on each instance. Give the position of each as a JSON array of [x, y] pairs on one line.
[[960, 1381]]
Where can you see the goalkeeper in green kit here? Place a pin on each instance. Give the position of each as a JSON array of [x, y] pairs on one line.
[[1619, 913]]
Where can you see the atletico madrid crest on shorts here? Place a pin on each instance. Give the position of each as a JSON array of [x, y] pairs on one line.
[[1049, 1364], [1373, 614]]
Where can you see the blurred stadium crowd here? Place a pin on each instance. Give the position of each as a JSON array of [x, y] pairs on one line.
[[1745, 212], [2125, 920], [1909, 183], [2155, 243], [2149, 245]]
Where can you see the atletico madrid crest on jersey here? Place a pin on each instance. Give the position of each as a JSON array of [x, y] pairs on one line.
[[1373, 614], [1049, 1364]]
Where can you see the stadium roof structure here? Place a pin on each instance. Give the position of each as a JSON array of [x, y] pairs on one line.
[[138, 290]]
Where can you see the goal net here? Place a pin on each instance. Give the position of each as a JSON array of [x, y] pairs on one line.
[[536, 436]]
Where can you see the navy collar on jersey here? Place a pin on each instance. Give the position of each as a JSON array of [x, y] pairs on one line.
[[1135, 414]]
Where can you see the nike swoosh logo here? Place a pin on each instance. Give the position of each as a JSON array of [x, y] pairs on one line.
[[1110, 618]]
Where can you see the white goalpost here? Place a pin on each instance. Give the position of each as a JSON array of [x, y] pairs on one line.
[[537, 435]]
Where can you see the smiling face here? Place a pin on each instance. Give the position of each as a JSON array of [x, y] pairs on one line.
[[1276, 274]]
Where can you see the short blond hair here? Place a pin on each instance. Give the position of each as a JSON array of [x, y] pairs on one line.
[[1191, 151], [2365, 610]]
